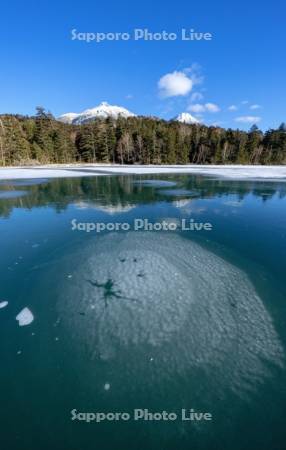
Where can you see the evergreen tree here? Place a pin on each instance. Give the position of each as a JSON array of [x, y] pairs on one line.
[[134, 140]]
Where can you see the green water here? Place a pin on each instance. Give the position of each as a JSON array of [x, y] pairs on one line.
[[143, 319]]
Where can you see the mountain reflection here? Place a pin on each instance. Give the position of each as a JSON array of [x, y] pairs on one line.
[[116, 194]]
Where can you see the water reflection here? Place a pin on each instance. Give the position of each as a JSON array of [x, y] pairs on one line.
[[122, 193]]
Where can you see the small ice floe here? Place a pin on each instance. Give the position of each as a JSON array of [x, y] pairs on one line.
[[35, 245], [156, 183], [3, 304], [56, 338], [106, 386], [25, 317], [69, 276], [151, 359], [19, 352]]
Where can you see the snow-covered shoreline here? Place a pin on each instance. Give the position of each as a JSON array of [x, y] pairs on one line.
[[81, 170]]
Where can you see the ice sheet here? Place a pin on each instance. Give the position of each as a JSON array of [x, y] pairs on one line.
[[75, 170]]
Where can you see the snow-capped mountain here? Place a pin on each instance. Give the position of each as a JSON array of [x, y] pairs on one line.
[[103, 110], [68, 117], [186, 118]]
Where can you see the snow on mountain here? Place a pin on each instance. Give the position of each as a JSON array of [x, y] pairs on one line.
[[103, 110], [186, 118], [68, 117]]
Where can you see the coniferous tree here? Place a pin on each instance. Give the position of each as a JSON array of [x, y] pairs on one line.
[[136, 140]]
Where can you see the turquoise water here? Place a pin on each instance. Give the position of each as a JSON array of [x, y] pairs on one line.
[[125, 320]]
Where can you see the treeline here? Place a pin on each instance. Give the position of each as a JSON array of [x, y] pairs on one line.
[[136, 140]]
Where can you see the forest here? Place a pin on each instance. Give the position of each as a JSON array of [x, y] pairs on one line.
[[41, 139]]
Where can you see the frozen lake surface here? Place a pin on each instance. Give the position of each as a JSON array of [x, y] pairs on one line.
[[114, 321], [77, 170]]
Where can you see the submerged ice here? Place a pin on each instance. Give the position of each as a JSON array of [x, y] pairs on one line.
[[167, 294]]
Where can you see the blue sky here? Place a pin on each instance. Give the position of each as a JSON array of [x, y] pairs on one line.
[[242, 67]]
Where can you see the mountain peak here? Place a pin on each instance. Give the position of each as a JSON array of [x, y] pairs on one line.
[[103, 110], [185, 117]]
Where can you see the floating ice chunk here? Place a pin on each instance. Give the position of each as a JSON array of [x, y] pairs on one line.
[[155, 183], [3, 304], [25, 317], [106, 386]]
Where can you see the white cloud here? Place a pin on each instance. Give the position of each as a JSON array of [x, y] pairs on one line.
[[232, 108], [212, 107], [175, 84], [217, 124], [207, 107], [195, 73], [248, 119], [196, 96], [244, 102], [254, 107], [197, 108], [129, 96]]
